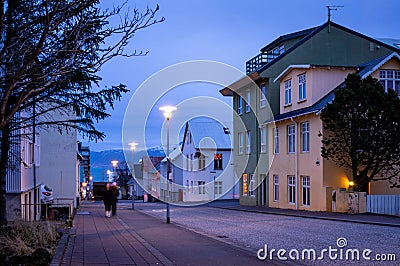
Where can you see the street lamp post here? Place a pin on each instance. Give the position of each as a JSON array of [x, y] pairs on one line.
[[114, 164], [133, 146], [167, 114]]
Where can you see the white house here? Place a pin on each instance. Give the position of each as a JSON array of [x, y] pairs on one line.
[[208, 168]]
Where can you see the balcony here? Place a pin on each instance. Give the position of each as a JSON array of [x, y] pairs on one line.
[[260, 60]]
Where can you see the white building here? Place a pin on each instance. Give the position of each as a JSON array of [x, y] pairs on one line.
[[208, 168]]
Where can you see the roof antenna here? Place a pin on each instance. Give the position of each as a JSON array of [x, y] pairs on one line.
[[329, 15]]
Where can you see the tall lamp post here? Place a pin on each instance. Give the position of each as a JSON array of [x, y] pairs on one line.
[[167, 114], [133, 146], [114, 164]]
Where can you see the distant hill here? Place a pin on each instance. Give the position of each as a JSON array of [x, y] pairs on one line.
[[100, 161]]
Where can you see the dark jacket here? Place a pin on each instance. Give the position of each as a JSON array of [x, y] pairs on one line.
[[108, 196]]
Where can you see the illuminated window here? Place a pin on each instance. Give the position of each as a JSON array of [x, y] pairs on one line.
[[218, 161], [244, 181]]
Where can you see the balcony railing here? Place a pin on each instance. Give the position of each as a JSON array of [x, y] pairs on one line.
[[259, 60]]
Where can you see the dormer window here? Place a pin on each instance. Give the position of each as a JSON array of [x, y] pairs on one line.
[[302, 87]]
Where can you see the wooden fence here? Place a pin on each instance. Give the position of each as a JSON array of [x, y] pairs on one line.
[[384, 204]]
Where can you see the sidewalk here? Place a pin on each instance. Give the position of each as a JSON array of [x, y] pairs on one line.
[[373, 219], [134, 238]]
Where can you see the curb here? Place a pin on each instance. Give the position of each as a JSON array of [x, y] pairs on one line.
[[312, 217]]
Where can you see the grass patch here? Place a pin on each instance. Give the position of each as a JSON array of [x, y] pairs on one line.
[[28, 243]]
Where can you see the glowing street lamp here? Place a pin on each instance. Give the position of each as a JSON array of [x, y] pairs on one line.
[[167, 114], [114, 164], [133, 147]]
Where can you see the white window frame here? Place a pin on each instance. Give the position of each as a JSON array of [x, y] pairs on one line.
[[302, 87], [202, 187], [240, 143], [276, 140], [252, 186], [263, 139], [291, 138], [291, 189], [276, 188], [263, 96], [248, 101], [306, 190], [389, 79], [288, 92], [202, 162], [240, 105], [305, 137], [248, 142], [218, 187]]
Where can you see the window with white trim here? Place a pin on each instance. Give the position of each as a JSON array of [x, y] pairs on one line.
[[202, 187], [390, 80], [276, 141], [240, 142], [252, 185], [305, 137], [302, 87], [240, 104], [202, 162], [291, 189], [288, 92], [305, 190], [191, 162], [291, 138], [276, 188], [218, 187], [263, 93], [248, 102], [248, 142], [263, 139]]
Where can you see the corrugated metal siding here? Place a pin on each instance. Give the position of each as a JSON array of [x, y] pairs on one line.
[[384, 204], [13, 177]]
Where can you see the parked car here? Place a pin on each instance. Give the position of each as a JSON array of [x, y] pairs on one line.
[[46, 194]]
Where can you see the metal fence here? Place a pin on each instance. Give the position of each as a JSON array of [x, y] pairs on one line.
[[62, 210], [384, 204]]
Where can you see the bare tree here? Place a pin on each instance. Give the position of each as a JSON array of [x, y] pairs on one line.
[[51, 53]]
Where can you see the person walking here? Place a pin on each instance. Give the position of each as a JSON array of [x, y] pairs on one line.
[[108, 199], [115, 193]]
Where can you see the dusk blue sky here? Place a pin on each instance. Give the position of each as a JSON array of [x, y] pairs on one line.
[[226, 31]]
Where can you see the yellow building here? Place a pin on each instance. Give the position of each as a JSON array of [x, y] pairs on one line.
[[299, 178]]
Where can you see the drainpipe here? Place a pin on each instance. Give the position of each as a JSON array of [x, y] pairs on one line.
[[296, 154]]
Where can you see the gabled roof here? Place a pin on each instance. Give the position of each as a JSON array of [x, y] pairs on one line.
[[208, 133], [285, 37], [174, 154], [366, 69], [318, 29], [372, 66]]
